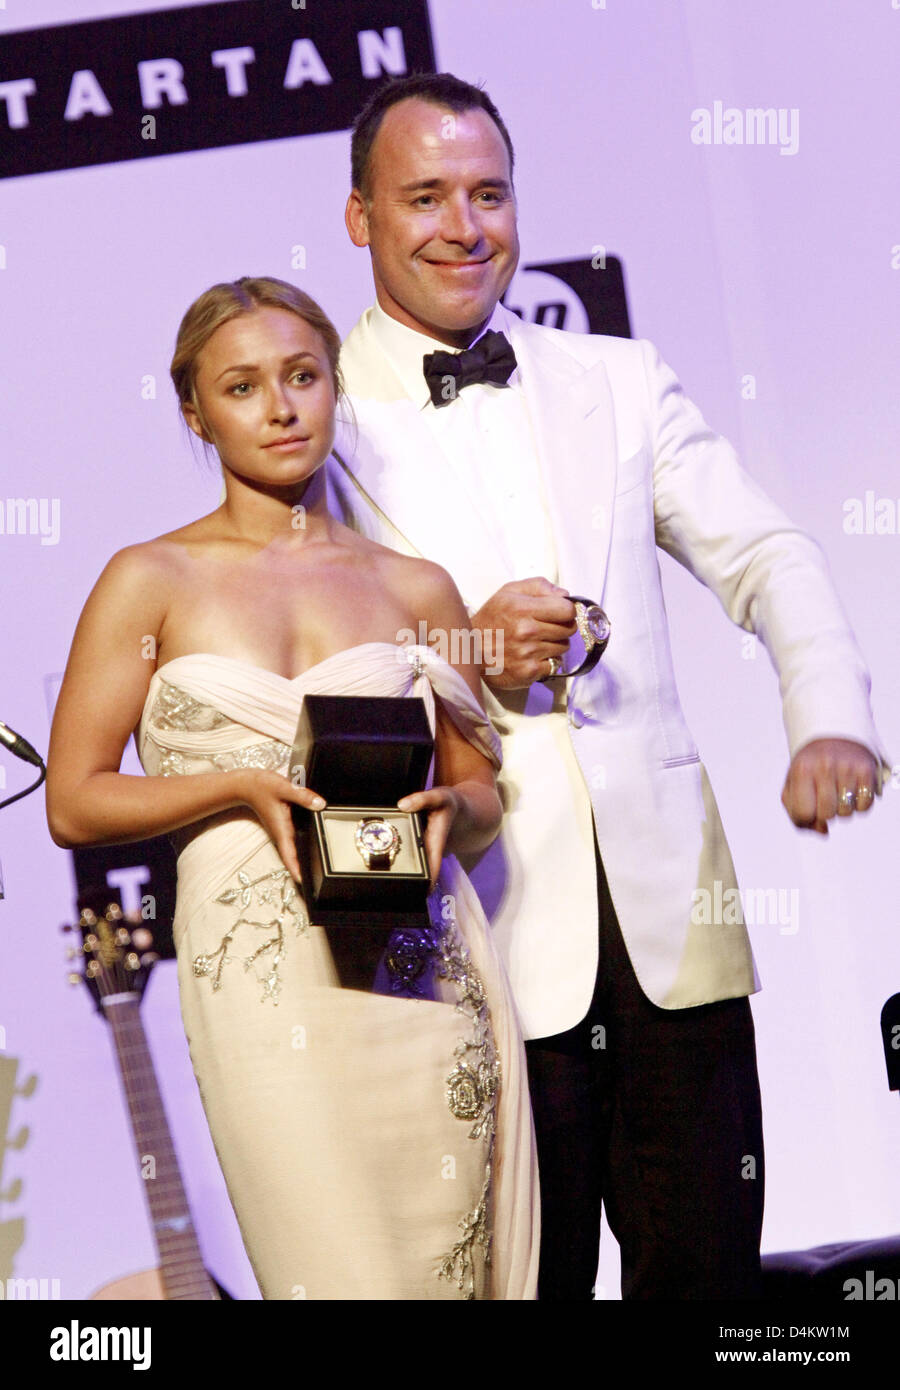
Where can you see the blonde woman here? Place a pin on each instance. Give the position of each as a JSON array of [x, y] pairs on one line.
[[376, 1145]]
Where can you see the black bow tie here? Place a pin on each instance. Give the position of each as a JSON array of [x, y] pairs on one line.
[[491, 359]]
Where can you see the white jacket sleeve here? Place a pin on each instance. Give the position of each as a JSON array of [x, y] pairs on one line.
[[769, 575]]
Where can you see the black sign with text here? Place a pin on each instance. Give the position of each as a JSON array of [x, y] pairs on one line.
[[198, 78], [585, 295]]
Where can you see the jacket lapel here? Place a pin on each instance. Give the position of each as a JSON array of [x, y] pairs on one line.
[[573, 421]]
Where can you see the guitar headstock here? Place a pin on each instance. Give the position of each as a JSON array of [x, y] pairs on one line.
[[117, 954]]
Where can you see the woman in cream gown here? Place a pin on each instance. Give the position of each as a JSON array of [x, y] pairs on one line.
[[374, 1145], [376, 1140]]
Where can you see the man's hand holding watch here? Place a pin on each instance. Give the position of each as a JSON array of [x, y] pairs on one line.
[[538, 620]]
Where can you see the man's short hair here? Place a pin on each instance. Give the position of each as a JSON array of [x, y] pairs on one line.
[[439, 88]]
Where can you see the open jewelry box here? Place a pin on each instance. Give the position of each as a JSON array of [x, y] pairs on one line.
[[361, 858]]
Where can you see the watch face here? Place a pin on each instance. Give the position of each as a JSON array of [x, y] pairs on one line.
[[377, 836], [597, 623]]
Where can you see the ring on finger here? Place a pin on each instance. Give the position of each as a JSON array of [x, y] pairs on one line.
[[847, 799], [554, 664]]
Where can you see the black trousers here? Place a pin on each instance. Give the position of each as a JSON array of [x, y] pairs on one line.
[[655, 1113]]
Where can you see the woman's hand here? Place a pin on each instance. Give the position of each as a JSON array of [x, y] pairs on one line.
[[270, 796], [442, 805]]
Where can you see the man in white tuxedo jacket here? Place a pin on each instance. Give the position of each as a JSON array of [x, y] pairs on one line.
[[563, 481]]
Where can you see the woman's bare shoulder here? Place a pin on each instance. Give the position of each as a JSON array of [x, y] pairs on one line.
[[431, 578], [162, 555], [424, 579], [409, 569], [431, 593]]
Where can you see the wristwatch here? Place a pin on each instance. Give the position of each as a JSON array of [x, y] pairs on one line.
[[377, 841], [594, 628]]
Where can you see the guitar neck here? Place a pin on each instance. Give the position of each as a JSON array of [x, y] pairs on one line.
[[173, 1229]]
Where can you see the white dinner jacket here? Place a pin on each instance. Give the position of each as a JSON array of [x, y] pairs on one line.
[[628, 464]]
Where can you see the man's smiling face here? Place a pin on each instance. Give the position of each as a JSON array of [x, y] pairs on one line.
[[440, 220]]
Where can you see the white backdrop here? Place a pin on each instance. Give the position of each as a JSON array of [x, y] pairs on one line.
[[769, 280]]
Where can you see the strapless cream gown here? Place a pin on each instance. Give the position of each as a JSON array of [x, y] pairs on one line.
[[376, 1143]]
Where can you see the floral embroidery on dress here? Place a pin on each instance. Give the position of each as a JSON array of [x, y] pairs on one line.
[[174, 708], [472, 1090], [271, 754], [408, 956], [277, 891], [458, 1264], [172, 764]]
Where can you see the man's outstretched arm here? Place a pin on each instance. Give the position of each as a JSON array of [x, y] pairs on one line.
[[772, 579]]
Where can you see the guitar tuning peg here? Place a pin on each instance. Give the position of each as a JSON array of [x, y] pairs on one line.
[[74, 978], [132, 962], [113, 912], [88, 917], [72, 953], [122, 936]]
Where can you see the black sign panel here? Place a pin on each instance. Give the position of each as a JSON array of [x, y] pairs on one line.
[[197, 78], [598, 283]]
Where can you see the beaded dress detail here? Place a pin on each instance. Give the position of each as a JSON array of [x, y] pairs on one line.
[[376, 1142]]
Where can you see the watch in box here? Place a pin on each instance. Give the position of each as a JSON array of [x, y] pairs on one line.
[[362, 859]]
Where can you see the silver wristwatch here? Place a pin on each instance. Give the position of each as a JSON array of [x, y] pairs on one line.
[[377, 841]]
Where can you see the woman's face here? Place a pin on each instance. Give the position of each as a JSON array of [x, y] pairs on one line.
[[264, 386]]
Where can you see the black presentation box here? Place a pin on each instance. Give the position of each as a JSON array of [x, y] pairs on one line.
[[362, 859]]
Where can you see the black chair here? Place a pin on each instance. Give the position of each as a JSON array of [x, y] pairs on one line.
[[824, 1274]]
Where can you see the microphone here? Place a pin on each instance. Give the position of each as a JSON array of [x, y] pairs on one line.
[[19, 746], [890, 1036]]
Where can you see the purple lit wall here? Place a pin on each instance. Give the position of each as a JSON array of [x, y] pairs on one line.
[[767, 274]]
